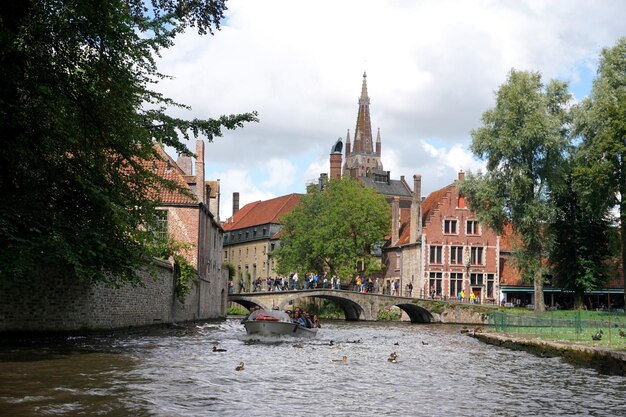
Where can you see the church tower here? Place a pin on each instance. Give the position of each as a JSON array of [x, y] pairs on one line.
[[361, 157]]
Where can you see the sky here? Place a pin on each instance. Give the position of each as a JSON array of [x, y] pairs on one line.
[[432, 70]]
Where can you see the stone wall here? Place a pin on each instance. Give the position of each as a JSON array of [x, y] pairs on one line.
[[56, 304]]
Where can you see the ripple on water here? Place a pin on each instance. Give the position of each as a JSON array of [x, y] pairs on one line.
[[171, 372]]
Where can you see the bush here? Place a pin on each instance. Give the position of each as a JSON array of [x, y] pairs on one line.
[[388, 315]]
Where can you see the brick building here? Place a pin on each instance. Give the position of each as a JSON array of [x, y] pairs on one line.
[[252, 233], [441, 249], [187, 219]]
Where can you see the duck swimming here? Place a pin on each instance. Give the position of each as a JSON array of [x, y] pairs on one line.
[[216, 349], [239, 367], [343, 359], [393, 357]]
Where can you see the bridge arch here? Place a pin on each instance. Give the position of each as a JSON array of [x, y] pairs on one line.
[[355, 306], [247, 301], [352, 310], [416, 313]]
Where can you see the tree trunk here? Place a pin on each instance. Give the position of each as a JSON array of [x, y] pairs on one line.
[[579, 300], [540, 305]]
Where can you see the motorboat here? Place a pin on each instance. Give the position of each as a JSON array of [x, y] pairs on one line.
[[275, 323]]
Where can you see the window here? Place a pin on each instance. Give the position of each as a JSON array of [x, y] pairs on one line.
[[397, 261], [472, 227], [449, 227], [160, 226], [456, 283], [461, 202], [435, 283], [476, 279], [264, 231], [490, 286], [456, 255], [435, 254], [272, 246], [254, 233], [225, 254], [476, 255]]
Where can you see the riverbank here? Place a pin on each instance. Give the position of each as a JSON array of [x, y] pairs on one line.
[[607, 361]]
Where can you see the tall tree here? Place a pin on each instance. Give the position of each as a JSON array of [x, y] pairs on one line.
[[581, 240], [600, 121], [334, 230], [522, 139], [77, 116]]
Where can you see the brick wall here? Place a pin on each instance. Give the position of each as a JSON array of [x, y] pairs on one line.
[[56, 304]]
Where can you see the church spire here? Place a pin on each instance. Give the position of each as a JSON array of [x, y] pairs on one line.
[[363, 131], [363, 157]]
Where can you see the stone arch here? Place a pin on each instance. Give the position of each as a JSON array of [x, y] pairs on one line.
[[416, 313], [247, 302], [351, 309]]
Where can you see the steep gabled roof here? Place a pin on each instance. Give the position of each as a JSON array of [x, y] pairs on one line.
[[434, 199], [262, 212], [392, 187], [166, 167]]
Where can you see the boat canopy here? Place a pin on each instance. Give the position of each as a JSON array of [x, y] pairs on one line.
[[274, 314]]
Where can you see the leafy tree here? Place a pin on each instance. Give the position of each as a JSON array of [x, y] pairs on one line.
[[334, 230], [581, 241], [600, 121], [522, 139], [77, 118]]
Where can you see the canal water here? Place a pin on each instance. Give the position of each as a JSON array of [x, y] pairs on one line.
[[174, 372]]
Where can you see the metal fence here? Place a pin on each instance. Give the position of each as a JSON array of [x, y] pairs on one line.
[[600, 328]]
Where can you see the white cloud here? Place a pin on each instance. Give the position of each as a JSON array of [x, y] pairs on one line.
[[281, 174], [432, 69], [237, 180]]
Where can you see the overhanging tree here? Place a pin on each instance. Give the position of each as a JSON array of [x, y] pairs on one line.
[[334, 230], [77, 117], [601, 123], [523, 139]]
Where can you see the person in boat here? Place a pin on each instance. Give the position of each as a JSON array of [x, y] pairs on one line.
[[316, 322]]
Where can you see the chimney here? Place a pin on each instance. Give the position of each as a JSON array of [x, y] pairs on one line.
[[395, 220], [417, 187], [184, 163], [235, 202], [200, 185], [461, 175], [415, 231]]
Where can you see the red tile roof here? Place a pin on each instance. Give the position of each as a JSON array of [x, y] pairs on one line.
[[166, 167], [262, 212], [433, 200], [428, 206]]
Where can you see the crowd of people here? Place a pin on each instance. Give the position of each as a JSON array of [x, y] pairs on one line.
[[303, 318], [291, 282], [297, 315], [312, 281]]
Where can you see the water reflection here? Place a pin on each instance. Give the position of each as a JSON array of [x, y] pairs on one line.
[[175, 372]]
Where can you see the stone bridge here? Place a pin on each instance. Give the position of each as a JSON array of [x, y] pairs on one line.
[[355, 305]]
